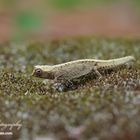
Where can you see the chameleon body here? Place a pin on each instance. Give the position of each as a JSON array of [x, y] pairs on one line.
[[75, 69]]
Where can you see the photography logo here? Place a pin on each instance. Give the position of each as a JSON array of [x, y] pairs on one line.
[[8, 128]]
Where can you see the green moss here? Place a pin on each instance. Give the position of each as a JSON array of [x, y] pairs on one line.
[[108, 108]]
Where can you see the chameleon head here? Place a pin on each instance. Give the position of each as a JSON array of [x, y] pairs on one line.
[[42, 72]]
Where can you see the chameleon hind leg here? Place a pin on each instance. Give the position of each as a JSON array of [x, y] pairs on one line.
[[97, 72]]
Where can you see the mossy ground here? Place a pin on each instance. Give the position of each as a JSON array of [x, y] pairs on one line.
[[104, 109]]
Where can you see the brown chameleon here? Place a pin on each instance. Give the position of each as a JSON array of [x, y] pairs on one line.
[[75, 69]]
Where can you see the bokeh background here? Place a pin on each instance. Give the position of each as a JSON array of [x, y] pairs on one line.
[[100, 109], [49, 19]]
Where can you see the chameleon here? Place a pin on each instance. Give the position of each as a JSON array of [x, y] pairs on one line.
[[75, 69]]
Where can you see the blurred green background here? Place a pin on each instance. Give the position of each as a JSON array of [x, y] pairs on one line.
[[32, 19]]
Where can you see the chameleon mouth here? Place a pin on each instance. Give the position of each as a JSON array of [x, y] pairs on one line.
[[34, 74]]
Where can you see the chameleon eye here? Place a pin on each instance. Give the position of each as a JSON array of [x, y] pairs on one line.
[[38, 71]]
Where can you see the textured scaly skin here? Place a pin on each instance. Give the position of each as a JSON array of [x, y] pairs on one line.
[[75, 69]]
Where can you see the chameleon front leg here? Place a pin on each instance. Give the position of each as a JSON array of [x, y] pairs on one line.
[[62, 84], [64, 81]]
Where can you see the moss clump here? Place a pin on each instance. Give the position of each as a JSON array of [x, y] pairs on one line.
[[108, 108]]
